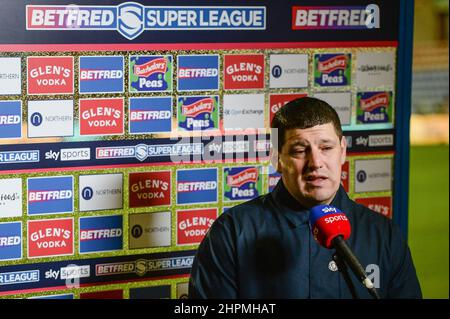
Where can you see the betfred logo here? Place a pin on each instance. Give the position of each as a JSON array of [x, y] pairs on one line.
[[149, 189], [241, 183], [197, 186], [198, 72], [50, 237], [277, 101], [101, 117], [50, 195], [151, 73], [10, 119], [101, 74], [10, 241], [192, 225], [50, 75], [381, 205], [332, 69], [198, 113], [243, 72], [374, 107], [100, 233], [150, 115], [345, 176], [336, 17]]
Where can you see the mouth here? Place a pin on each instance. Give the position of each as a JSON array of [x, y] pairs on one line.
[[316, 180]]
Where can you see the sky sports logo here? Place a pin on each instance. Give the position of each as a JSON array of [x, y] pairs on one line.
[[130, 19], [335, 17]]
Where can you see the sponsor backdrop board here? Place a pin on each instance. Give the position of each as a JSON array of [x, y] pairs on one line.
[[124, 134]]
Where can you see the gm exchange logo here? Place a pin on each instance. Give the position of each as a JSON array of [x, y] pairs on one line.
[[130, 19]]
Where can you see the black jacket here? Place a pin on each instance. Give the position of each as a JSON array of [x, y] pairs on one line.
[[264, 249]]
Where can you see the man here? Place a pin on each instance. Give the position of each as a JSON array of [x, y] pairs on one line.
[[264, 248]]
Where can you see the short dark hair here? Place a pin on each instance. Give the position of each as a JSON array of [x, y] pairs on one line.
[[304, 112]]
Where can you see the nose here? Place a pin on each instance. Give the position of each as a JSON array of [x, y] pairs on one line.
[[315, 160]]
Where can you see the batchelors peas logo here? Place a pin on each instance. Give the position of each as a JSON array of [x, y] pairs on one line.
[[150, 73], [332, 69], [198, 113], [374, 107], [241, 183]]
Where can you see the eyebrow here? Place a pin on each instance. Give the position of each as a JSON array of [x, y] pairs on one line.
[[301, 142]]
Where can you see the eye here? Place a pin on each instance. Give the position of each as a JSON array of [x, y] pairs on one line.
[[327, 148]]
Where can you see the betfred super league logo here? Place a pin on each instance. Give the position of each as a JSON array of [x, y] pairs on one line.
[[332, 69], [241, 183]]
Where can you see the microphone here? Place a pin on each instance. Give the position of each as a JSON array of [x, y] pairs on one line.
[[330, 228]]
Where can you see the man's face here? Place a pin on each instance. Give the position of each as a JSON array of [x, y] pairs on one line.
[[310, 163]]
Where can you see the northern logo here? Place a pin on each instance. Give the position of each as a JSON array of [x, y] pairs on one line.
[[101, 192], [10, 76], [149, 189], [198, 113], [288, 70], [150, 230], [50, 118]]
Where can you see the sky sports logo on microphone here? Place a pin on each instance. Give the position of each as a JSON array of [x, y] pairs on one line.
[[130, 19], [335, 17], [50, 195]]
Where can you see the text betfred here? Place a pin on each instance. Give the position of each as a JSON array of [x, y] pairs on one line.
[[149, 115], [38, 196], [196, 186], [47, 17], [95, 234], [10, 119], [100, 74], [333, 18]]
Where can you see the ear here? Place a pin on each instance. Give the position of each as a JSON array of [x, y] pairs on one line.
[[343, 149]]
